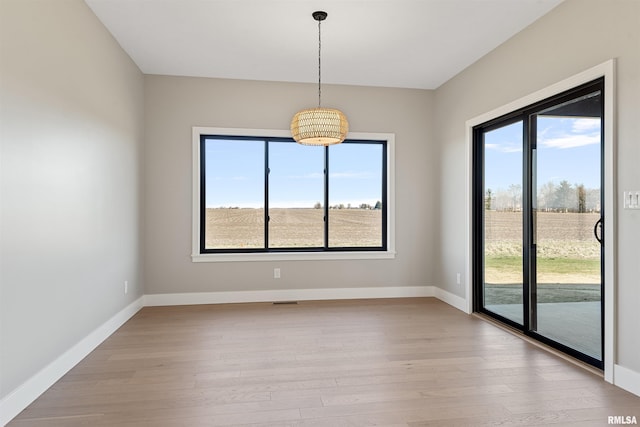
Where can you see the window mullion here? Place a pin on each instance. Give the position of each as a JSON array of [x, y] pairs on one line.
[[266, 194], [326, 197]]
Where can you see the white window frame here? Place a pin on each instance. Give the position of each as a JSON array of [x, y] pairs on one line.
[[196, 256]]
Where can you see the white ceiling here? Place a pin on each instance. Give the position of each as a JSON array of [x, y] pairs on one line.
[[394, 43]]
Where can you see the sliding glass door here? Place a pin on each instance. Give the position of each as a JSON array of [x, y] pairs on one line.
[[537, 218]]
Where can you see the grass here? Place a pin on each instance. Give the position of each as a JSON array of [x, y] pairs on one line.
[[551, 265], [508, 269], [568, 258], [567, 252]]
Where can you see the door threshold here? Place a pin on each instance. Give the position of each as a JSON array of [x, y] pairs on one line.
[[518, 333]]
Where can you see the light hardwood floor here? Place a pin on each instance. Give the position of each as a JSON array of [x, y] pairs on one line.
[[391, 362]]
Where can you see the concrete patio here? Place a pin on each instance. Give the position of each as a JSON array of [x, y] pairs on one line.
[[567, 313]]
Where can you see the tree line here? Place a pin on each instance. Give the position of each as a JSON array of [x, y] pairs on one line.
[[551, 197], [378, 205]]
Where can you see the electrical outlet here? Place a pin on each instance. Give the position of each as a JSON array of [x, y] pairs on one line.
[[276, 273], [458, 278], [126, 286]]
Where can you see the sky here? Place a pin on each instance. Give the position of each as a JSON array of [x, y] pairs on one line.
[[235, 174], [568, 149]]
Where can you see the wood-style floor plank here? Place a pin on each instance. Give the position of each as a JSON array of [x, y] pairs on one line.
[[392, 362]]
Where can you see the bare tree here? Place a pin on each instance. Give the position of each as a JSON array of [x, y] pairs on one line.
[[593, 200], [515, 192], [487, 200], [582, 198], [545, 196]]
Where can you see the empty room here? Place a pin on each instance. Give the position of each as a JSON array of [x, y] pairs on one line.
[[330, 213]]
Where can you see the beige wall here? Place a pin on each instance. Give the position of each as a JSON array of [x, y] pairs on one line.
[[575, 36], [71, 135], [173, 105], [74, 111]]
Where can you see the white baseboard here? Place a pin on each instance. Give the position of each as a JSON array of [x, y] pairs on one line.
[[451, 299], [21, 397], [627, 379], [287, 295]]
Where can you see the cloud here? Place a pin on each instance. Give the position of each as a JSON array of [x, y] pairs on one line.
[[571, 141], [582, 125], [573, 133], [508, 147]]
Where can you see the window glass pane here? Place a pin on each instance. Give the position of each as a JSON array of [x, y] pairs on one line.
[[355, 195], [296, 194], [234, 194], [568, 255], [503, 257]]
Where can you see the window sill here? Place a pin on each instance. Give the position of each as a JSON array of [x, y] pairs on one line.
[[292, 256]]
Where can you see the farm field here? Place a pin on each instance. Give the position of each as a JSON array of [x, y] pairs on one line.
[[567, 249], [568, 295], [292, 228]]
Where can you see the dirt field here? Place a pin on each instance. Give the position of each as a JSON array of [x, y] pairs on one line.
[[567, 249], [292, 228], [551, 225], [567, 235]]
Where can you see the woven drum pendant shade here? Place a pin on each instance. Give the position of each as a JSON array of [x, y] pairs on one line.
[[319, 126]]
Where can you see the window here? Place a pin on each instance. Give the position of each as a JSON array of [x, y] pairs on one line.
[[265, 195]]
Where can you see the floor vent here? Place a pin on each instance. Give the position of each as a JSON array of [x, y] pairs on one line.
[[284, 302]]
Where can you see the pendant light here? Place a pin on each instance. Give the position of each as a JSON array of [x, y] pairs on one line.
[[319, 126]]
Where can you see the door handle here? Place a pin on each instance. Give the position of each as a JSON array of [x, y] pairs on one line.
[[595, 230]]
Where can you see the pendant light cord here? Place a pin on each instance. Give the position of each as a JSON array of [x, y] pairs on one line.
[[319, 65]]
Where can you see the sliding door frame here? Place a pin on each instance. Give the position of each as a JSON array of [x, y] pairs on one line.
[[527, 116], [607, 71]]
